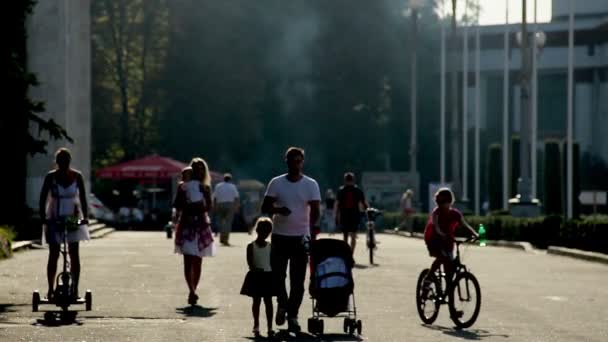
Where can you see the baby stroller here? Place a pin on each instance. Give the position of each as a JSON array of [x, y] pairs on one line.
[[331, 285]]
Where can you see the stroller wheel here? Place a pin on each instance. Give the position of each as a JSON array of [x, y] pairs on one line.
[[315, 326], [35, 301], [88, 298], [359, 327], [311, 325]]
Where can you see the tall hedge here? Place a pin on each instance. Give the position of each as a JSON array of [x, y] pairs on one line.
[[576, 187], [515, 164], [494, 176], [590, 233], [552, 179]]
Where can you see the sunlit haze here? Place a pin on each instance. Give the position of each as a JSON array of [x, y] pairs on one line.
[[493, 11]]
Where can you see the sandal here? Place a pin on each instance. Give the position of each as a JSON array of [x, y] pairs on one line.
[[192, 298]]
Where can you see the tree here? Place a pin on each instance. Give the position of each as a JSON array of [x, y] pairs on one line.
[[130, 40]]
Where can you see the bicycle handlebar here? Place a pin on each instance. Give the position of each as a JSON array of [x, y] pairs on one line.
[[472, 238], [63, 221]]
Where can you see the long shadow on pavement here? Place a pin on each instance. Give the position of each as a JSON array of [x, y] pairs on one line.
[[196, 311], [469, 334], [283, 335], [58, 318], [4, 308]]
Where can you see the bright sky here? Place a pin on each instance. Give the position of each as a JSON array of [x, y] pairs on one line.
[[493, 11]]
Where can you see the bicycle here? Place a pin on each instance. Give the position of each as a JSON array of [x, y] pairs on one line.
[[432, 292], [371, 214], [64, 294]]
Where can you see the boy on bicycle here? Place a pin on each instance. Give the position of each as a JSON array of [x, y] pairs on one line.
[[440, 231]]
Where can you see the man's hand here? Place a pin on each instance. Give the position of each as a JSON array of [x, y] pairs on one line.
[[284, 211], [314, 231]]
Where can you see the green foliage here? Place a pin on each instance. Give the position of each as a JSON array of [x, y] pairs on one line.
[[6, 239], [576, 187], [129, 48], [515, 164], [552, 178], [494, 180]]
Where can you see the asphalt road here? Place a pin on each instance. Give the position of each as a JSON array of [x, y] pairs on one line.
[[139, 295]]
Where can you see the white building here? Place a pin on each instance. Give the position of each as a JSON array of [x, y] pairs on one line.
[[590, 74], [59, 53]]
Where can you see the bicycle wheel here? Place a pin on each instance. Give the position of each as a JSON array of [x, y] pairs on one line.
[[371, 244], [427, 302], [465, 300]]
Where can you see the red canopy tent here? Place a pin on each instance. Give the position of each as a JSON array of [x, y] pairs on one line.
[[150, 167]]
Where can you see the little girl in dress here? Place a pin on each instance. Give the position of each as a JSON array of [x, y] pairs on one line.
[[258, 281]]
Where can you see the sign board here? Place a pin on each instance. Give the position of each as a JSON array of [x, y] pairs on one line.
[[433, 187], [592, 197], [388, 187]]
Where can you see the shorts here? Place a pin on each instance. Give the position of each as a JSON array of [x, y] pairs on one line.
[[440, 249], [350, 222]]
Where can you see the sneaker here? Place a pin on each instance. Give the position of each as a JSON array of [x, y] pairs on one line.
[[293, 325], [280, 318]]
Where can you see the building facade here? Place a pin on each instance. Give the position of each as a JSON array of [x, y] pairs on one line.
[[590, 109], [59, 54]]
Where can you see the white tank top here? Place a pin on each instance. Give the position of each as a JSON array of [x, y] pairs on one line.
[[261, 257], [64, 201]]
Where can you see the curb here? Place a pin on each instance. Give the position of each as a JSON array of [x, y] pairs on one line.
[[96, 231], [524, 246], [578, 254], [19, 245], [99, 233]]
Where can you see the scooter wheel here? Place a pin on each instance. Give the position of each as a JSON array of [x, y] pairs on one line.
[[35, 301], [88, 300]]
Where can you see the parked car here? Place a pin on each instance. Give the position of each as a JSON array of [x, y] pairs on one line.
[[99, 211]]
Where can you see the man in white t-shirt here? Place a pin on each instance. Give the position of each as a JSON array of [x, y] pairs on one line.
[[293, 200], [226, 201]]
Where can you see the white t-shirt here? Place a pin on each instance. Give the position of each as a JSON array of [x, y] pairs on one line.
[[295, 196], [225, 192], [193, 191]]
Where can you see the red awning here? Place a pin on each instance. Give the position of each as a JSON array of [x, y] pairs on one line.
[[150, 167]]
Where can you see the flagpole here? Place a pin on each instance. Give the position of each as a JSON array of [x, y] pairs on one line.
[[465, 107], [505, 115], [533, 151], [570, 109], [477, 118], [442, 110]]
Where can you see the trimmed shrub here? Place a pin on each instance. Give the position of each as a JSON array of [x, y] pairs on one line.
[[6, 240], [576, 188], [552, 179], [515, 161], [590, 233], [494, 176]]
